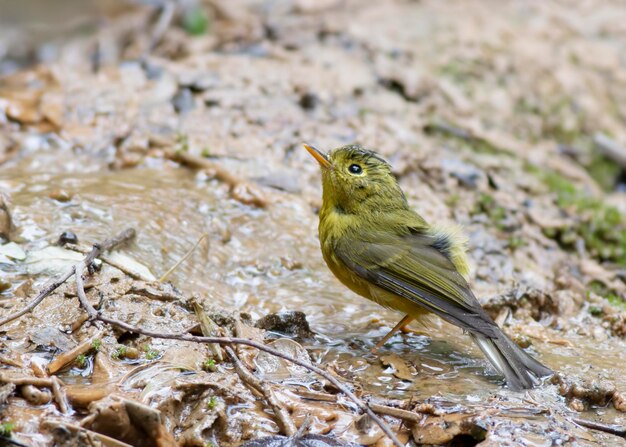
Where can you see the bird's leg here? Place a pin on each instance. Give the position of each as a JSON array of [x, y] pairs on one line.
[[398, 327]]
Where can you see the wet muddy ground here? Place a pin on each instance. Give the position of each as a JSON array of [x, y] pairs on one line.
[[508, 121]]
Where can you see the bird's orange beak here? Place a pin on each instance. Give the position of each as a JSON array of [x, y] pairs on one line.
[[319, 156]]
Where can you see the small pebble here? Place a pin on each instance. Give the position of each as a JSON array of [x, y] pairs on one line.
[[577, 405], [132, 353], [35, 395], [68, 237], [183, 101], [4, 285], [152, 71], [308, 101], [60, 195]]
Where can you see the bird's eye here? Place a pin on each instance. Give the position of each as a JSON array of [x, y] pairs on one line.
[[355, 169]]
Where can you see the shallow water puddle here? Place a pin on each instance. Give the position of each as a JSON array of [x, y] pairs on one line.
[[268, 260]]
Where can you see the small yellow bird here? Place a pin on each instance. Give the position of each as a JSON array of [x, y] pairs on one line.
[[380, 248]]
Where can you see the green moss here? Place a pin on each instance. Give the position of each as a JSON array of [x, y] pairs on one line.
[[600, 289], [595, 311], [212, 403], [486, 204], [603, 171], [96, 344], [120, 352], [616, 301], [602, 227], [461, 71], [453, 200], [195, 21], [150, 353], [81, 360], [556, 117], [209, 365], [182, 143], [516, 242], [6, 428]]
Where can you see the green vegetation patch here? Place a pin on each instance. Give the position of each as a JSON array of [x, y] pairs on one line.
[[497, 214], [196, 21], [604, 171], [600, 289], [602, 227], [463, 138], [6, 428]]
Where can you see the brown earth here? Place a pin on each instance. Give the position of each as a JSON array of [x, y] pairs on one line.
[[505, 117]]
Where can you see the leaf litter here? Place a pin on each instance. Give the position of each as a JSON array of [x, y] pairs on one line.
[[513, 137]]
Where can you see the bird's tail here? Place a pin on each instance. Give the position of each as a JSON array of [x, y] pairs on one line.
[[520, 369]]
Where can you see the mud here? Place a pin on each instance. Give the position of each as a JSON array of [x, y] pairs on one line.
[[490, 117]]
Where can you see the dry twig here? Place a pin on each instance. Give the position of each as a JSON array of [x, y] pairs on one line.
[[10, 362], [285, 421], [95, 315], [18, 381], [208, 328], [78, 270], [69, 356], [243, 341], [399, 413], [92, 437], [59, 396], [611, 429], [48, 288], [240, 189], [54, 283], [184, 258]]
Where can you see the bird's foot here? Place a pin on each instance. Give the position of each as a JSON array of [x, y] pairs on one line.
[[401, 326]]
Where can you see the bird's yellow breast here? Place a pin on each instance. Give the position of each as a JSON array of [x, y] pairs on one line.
[[334, 225]]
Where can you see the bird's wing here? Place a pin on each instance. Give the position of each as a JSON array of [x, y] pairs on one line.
[[411, 265]]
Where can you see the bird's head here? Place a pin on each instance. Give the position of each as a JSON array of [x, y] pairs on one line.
[[356, 181]]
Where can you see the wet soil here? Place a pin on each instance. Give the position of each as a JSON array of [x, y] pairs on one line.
[[490, 118]]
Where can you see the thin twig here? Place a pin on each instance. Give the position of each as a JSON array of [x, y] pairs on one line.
[[315, 395], [54, 283], [405, 415], [243, 341], [48, 288], [164, 22], [95, 315], [76, 325], [112, 262], [240, 189], [184, 258], [11, 362], [18, 381], [616, 430], [59, 396], [92, 436], [285, 421], [397, 413], [208, 328], [9, 441], [67, 357]]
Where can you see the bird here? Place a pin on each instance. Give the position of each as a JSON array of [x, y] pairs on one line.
[[383, 250]]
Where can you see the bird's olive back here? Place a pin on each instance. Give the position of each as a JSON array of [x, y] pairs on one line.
[[360, 182]]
